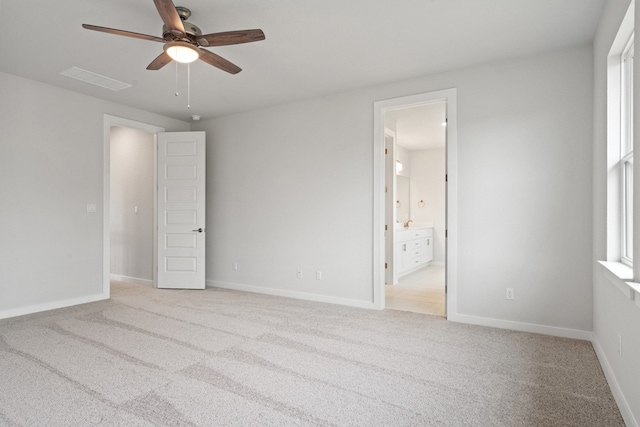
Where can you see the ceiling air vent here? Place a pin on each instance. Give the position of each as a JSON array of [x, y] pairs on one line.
[[94, 79]]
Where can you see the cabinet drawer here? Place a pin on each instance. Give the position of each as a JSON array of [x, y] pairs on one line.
[[414, 244], [415, 261], [418, 234], [421, 233]]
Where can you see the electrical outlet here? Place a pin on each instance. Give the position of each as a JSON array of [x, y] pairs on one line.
[[235, 265], [318, 275], [299, 273], [619, 344], [509, 293]]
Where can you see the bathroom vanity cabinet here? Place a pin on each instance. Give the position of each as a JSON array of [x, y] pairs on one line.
[[413, 249]]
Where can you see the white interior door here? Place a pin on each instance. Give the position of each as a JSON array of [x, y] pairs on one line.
[[181, 210]]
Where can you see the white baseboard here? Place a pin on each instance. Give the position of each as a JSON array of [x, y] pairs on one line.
[[291, 294], [521, 326], [119, 278], [623, 405], [474, 320], [37, 308]]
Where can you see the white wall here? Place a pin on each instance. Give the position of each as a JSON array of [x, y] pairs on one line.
[[51, 167], [132, 179], [291, 187], [428, 184], [284, 192], [614, 315]]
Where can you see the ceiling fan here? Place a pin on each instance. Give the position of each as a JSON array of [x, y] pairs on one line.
[[184, 41]]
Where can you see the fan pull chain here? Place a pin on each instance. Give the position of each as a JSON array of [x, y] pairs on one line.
[[177, 79], [188, 86]]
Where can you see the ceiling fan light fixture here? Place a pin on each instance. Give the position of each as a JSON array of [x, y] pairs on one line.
[[183, 40], [182, 52]]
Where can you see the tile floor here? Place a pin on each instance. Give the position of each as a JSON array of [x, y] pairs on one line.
[[420, 292]]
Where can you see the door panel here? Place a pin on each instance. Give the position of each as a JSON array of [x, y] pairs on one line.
[[181, 210]]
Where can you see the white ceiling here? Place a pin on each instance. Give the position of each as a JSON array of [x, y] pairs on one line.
[[419, 128], [312, 48]]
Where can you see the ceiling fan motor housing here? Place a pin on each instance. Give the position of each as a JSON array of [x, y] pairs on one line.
[[189, 28], [183, 12]]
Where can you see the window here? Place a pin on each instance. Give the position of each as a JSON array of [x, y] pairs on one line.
[[619, 129], [625, 164]]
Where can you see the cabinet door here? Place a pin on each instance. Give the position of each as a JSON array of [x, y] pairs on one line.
[[400, 256], [427, 252]]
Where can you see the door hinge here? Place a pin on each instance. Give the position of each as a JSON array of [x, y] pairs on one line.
[[386, 151], [385, 227], [446, 177], [446, 233], [385, 265]]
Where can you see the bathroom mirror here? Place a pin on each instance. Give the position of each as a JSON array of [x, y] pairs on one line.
[[402, 198]]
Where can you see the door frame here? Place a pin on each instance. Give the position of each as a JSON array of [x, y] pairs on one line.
[[379, 210], [390, 207], [110, 121]]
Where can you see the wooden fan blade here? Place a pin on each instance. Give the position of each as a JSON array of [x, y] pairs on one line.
[[218, 61], [170, 17], [122, 33], [231, 37], [162, 60]]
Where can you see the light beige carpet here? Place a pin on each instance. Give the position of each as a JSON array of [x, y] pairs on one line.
[[217, 357]]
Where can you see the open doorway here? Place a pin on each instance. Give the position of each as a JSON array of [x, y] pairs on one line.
[[418, 213], [131, 165], [384, 213], [132, 205]]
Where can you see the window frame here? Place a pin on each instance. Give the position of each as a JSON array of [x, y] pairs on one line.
[[625, 164]]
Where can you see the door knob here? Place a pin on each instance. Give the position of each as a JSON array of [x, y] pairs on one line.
[[199, 230]]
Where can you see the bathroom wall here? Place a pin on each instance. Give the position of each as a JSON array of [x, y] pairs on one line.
[[428, 184]]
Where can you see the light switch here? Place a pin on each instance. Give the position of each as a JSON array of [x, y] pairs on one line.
[[135, 209], [91, 207]]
